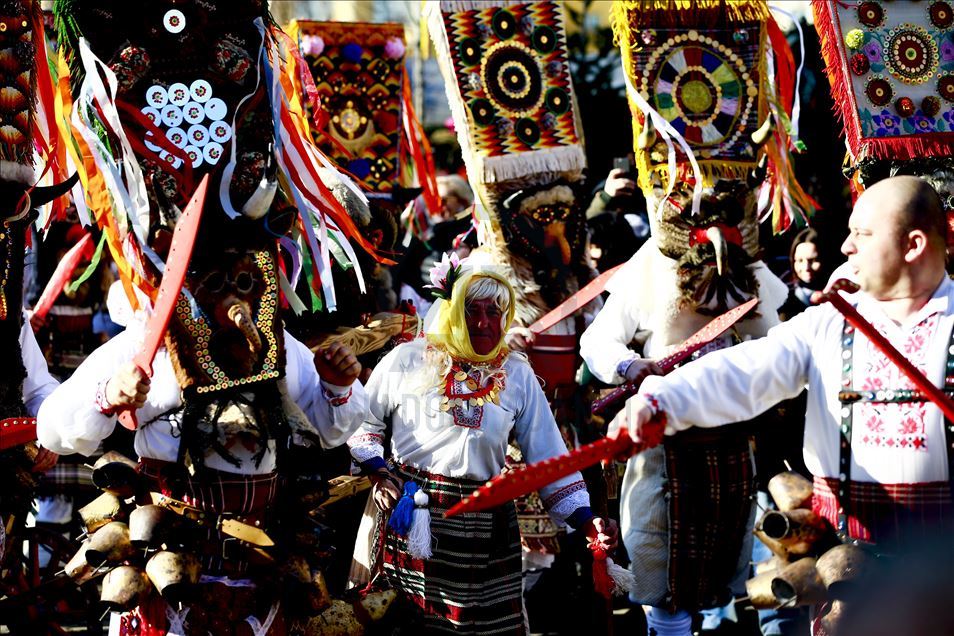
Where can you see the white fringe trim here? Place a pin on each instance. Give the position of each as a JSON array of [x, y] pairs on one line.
[[454, 6], [566, 159], [554, 195]]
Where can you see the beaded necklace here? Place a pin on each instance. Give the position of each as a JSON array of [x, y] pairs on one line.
[[467, 407]]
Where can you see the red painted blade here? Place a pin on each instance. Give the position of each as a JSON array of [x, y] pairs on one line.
[[572, 304], [64, 270], [183, 240], [510, 485], [696, 341], [15, 431], [936, 395]]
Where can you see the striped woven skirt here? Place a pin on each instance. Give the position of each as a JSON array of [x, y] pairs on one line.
[[472, 584], [888, 515]]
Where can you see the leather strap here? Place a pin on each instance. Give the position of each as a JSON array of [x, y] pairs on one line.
[[224, 523]]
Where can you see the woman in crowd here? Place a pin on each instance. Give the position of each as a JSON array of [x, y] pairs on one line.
[[451, 401]]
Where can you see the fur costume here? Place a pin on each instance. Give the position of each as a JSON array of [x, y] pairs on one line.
[[704, 98], [163, 94]]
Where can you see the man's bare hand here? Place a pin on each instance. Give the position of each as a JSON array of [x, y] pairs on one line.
[[602, 534], [519, 339], [336, 364], [129, 387], [639, 369], [386, 491], [637, 420]]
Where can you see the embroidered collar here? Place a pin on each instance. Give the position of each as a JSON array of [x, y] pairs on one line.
[[938, 303]]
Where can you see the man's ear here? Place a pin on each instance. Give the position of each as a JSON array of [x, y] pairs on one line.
[[917, 243]]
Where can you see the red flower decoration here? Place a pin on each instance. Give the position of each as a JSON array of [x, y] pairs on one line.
[[930, 105], [859, 64], [904, 106]]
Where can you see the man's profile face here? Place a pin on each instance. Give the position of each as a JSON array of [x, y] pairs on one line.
[[874, 247]]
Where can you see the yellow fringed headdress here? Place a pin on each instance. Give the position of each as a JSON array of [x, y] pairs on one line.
[[702, 77]]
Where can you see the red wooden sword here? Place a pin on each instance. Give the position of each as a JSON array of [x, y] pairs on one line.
[[183, 239], [520, 481], [696, 341]]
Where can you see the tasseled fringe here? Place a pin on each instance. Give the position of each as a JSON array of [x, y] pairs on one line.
[[411, 518], [456, 6], [400, 520], [419, 536], [623, 579], [711, 170], [830, 39], [610, 579], [566, 159], [627, 15], [900, 148]]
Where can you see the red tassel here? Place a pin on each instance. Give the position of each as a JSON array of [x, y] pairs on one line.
[[602, 582], [784, 65]]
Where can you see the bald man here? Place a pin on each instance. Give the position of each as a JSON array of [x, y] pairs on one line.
[[881, 456]]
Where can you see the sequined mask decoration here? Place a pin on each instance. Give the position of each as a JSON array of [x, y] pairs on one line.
[[236, 337]]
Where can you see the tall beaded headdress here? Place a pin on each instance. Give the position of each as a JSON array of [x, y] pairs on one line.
[[706, 75]]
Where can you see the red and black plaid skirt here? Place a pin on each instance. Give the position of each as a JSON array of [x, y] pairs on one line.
[[888, 515], [472, 584], [711, 485]]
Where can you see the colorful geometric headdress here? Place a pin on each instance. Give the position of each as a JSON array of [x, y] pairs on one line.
[[706, 74], [509, 88], [369, 127], [891, 68]]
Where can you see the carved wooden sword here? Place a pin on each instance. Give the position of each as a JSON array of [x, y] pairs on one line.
[[183, 240], [696, 341]]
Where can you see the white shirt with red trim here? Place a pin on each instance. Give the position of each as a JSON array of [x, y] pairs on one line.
[[463, 443]]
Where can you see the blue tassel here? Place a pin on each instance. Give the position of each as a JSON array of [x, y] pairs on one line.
[[403, 512]]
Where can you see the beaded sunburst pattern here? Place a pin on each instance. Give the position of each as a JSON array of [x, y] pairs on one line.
[[512, 72], [705, 82], [192, 339]]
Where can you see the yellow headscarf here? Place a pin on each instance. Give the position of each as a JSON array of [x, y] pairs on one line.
[[449, 329]]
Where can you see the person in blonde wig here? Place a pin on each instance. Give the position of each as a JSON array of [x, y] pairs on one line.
[[451, 401]]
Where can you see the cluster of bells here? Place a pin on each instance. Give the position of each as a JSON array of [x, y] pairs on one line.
[[140, 548], [146, 549], [809, 565]]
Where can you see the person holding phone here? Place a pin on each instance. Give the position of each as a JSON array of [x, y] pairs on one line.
[[616, 217]]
